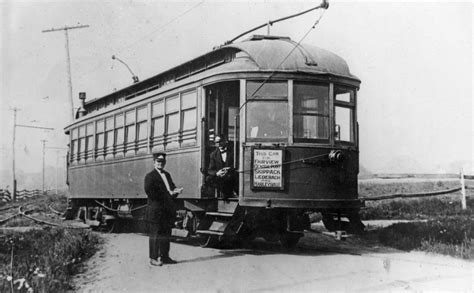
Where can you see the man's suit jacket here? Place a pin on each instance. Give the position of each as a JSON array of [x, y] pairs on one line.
[[161, 208], [216, 162]]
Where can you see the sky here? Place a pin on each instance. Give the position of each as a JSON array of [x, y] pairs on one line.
[[414, 58]]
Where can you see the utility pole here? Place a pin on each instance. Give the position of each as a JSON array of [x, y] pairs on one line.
[[44, 147], [13, 154], [57, 164], [57, 149], [66, 29], [13, 147]]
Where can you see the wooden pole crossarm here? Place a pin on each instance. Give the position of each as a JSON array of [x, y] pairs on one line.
[[64, 28], [38, 127]]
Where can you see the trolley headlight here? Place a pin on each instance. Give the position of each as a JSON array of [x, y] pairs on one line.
[[336, 156]]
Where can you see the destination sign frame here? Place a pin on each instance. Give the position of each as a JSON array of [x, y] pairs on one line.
[[267, 169]]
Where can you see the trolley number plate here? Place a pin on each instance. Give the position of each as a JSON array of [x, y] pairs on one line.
[[267, 169]]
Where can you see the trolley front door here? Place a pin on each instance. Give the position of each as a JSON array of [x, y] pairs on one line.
[[222, 103]]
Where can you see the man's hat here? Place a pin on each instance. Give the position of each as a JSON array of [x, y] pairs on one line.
[[159, 156]]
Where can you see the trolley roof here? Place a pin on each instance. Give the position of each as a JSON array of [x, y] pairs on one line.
[[257, 54], [273, 53]]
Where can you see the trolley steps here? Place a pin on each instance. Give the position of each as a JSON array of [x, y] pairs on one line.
[[220, 219], [219, 214]]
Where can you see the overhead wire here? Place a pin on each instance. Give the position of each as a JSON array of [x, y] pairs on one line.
[[132, 44], [162, 27]]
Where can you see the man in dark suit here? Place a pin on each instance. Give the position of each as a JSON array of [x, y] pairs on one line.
[[161, 210], [221, 168]]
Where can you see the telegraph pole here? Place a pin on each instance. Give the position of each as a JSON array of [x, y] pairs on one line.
[[57, 161], [44, 147], [13, 147], [13, 154], [66, 29]]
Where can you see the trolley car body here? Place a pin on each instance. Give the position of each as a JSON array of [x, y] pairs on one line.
[[292, 118]]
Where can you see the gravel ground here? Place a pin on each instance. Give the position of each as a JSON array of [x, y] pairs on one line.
[[319, 264]]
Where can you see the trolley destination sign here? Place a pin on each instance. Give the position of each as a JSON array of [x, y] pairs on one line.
[[267, 169]]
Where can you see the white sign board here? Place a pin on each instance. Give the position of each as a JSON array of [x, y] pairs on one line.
[[267, 169]]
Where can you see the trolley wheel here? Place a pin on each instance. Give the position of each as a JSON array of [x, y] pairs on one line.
[[356, 225], [211, 241], [332, 224], [109, 226], [289, 240], [329, 223]]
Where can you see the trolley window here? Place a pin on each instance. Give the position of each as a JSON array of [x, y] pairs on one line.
[[119, 135], [311, 112], [267, 111], [74, 144], [344, 109], [109, 136], [99, 138], [189, 118], [172, 122], [130, 132], [89, 141], [157, 125], [82, 143], [267, 90], [142, 129]]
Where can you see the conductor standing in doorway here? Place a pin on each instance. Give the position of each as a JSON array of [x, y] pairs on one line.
[[221, 168], [161, 210]]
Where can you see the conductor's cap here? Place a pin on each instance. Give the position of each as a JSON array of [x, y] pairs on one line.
[[161, 157]]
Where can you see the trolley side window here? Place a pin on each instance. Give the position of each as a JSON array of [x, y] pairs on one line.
[[189, 118], [157, 125], [311, 112], [74, 144], [344, 109], [142, 129], [109, 136], [172, 122], [89, 141], [119, 135], [81, 149], [267, 111], [99, 139], [130, 132]]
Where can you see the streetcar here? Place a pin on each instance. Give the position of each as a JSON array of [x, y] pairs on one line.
[[292, 120]]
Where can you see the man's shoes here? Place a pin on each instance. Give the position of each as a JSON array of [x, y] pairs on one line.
[[155, 262], [168, 260]]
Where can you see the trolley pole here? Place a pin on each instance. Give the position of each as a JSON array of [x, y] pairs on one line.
[[66, 29]]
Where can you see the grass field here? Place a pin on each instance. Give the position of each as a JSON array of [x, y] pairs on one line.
[[446, 229], [42, 259]]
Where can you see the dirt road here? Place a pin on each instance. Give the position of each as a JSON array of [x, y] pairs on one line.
[[319, 264]]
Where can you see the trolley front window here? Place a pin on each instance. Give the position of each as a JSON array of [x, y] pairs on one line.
[[311, 112], [267, 111], [344, 109]]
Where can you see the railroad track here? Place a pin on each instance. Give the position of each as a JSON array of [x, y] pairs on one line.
[[34, 214]]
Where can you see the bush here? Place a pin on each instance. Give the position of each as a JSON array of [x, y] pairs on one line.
[[43, 260]]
